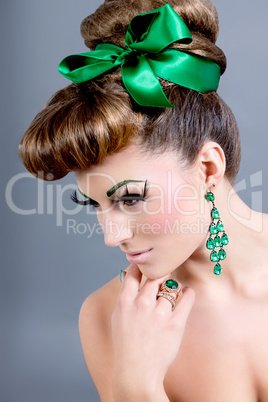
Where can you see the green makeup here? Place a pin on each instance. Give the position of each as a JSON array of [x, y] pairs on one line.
[[84, 195], [122, 183]]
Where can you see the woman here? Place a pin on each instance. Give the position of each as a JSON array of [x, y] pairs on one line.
[[157, 158]]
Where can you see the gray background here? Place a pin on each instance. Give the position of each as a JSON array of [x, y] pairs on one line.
[[46, 273]]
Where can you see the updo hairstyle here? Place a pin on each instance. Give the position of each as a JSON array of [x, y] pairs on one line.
[[83, 123]]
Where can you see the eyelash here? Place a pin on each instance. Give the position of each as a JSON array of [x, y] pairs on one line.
[[88, 201], [124, 198], [133, 197]]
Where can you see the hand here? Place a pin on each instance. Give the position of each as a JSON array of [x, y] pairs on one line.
[[146, 335]]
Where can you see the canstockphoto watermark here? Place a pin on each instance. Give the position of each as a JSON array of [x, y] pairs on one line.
[[200, 226]]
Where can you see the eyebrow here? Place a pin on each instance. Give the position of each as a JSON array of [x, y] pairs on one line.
[[122, 183]]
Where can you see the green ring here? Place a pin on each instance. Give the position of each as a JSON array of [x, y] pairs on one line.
[[171, 284]]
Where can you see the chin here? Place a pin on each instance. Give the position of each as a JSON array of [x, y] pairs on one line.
[[152, 272]]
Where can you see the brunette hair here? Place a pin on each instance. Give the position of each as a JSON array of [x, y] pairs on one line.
[[83, 123]]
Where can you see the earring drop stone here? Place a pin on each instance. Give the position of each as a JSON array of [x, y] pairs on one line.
[[217, 241], [222, 254], [217, 269], [210, 196], [220, 226], [213, 228], [215, 213], [224, 239], [210, 244], [214, 256]]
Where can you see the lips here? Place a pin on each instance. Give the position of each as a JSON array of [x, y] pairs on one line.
[[138, 252], [139, 256]]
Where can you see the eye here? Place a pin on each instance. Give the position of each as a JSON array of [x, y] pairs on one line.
[[133, 199], [130, 199]]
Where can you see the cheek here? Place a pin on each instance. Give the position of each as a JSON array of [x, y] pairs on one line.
[[187, 201], [157, 224], [179, 200], [188, 217]]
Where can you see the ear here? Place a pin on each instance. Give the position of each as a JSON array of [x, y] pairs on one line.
[[211, 163]]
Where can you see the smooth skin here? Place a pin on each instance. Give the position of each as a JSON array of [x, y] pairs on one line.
[[212, 347]]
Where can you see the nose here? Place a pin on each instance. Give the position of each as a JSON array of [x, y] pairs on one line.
[[117, 228]]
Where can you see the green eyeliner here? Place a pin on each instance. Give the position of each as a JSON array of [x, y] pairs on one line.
[[84, 195], [122, 183]]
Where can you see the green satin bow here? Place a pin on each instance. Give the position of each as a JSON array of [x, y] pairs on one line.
[[146, 58]]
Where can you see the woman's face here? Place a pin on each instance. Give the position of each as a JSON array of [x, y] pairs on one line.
[[156, 214]]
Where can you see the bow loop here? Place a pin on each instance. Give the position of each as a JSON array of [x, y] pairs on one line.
[[146, 58], [138, 28], [152, 32]]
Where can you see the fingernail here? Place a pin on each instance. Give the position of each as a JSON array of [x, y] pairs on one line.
[[122, 275]]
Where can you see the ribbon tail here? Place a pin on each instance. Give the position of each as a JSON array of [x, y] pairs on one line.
[[187, 70], [142, 84]]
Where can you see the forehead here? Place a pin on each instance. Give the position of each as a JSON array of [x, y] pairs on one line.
[[130, 164]]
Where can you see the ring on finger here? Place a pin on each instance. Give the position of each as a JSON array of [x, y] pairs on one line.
[[169, 290]]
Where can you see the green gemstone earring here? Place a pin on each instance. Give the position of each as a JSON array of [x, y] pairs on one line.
[[217, 236]]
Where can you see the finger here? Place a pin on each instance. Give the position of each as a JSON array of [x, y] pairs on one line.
[[131, 282], [151, 286], [184, 306], [165, 303], [147, 296], [122, 275]]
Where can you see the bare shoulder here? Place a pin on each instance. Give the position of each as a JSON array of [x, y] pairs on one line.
[[265, 223], [263, 230], [95, 333]]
